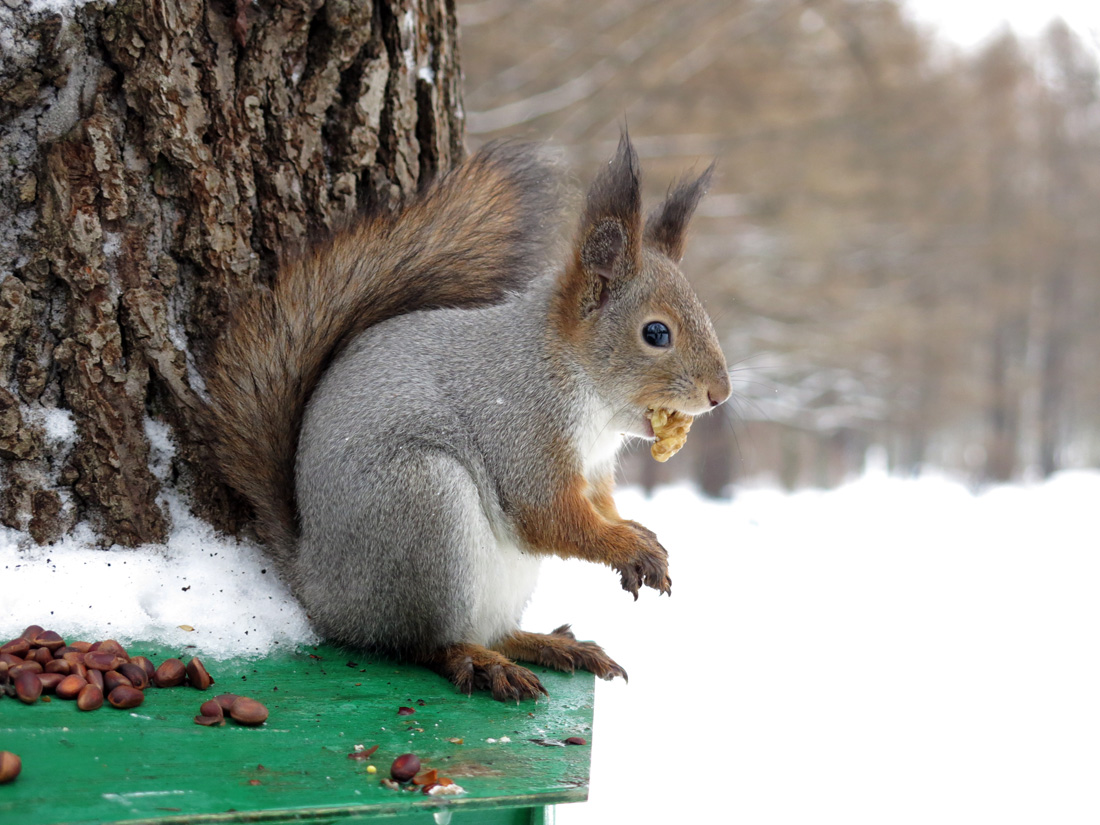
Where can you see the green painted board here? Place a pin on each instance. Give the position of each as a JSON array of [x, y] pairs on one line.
[[153, 764]]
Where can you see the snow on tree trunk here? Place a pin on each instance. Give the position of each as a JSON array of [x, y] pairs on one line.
[[160, 157]]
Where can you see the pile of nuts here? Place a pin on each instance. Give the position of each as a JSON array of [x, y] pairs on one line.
[[39, 662]]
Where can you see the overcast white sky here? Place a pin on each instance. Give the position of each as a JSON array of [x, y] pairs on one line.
[[968, 22]]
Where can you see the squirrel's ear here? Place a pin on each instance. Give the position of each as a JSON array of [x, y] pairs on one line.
[[610, 232], [666, 228]]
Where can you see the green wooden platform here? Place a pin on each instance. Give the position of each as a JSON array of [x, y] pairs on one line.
[[154, 765]]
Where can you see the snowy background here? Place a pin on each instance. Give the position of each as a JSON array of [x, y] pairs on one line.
[[888, 652]]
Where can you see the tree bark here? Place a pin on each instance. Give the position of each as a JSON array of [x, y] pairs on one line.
[[162, 157]]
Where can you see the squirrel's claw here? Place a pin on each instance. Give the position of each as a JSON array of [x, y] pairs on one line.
[[559, 649], [473, 667], [648, 566]]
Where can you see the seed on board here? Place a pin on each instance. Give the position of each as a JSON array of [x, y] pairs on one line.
[[50, 681], [112, 679], [576, 740], [248, 711], [70, 686], [146, 665], [50, 640], [226, 700], [96, 660], [27, 687], [209, 721], [16, 647], [125, 697], [212, 707], [170, 673], [10, 766], [197, 675], [135, 673], [25, 667], [58, 666], [405, 767], [90, 697], [111, 646]]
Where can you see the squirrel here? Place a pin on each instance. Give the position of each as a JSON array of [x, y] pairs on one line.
[[426, 404]]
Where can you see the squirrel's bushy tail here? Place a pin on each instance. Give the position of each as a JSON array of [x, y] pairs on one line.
[[484, 229]]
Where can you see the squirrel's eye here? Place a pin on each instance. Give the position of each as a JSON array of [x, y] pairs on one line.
[[656, 334]]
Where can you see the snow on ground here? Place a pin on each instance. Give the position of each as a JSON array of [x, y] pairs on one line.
[[888, 652], [225, 591]]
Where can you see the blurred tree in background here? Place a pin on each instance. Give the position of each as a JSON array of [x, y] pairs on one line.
[[901, 251]]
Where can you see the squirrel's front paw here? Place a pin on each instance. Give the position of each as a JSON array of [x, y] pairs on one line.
[[648, 565]]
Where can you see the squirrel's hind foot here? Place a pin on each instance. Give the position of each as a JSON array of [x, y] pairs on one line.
[[560, 650], [473, 667]]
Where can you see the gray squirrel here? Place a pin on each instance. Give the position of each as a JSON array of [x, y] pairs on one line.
[[423, 406]]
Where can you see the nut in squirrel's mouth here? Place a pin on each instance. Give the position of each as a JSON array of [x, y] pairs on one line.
[[670, 428]]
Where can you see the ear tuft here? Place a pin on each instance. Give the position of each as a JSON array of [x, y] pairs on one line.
[[611, 227], [666, 228]]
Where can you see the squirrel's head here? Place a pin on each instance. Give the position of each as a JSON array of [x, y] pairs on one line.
[[641, 333]]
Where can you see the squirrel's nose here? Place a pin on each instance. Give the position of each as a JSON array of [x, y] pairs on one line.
[[719, 389]]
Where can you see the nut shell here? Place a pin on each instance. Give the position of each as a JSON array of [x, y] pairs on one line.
[[16, 647], [27, 687], [125, 697], [97, 660], [50, 681], [197, 675], [226, 700], [135, 673], [70, 686], [10, 766], [112, 679], [50, 640], [211, 707], [405, 767], [144, 662], [90, 697], [170, 673], [248, 711]]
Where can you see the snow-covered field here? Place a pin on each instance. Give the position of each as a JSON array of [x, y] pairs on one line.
[[888, 652]]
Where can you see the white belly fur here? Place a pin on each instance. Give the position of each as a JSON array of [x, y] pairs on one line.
[[597, 437], [505, 577]]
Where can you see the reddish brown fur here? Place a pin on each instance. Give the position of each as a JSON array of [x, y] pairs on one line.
[[473, 667], [573, 527], [560, 650], [600, 493]]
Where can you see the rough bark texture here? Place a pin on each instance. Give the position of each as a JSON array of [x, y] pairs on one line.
[[160, 157]]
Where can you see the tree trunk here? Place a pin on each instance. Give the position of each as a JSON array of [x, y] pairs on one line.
[[161, 157]]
